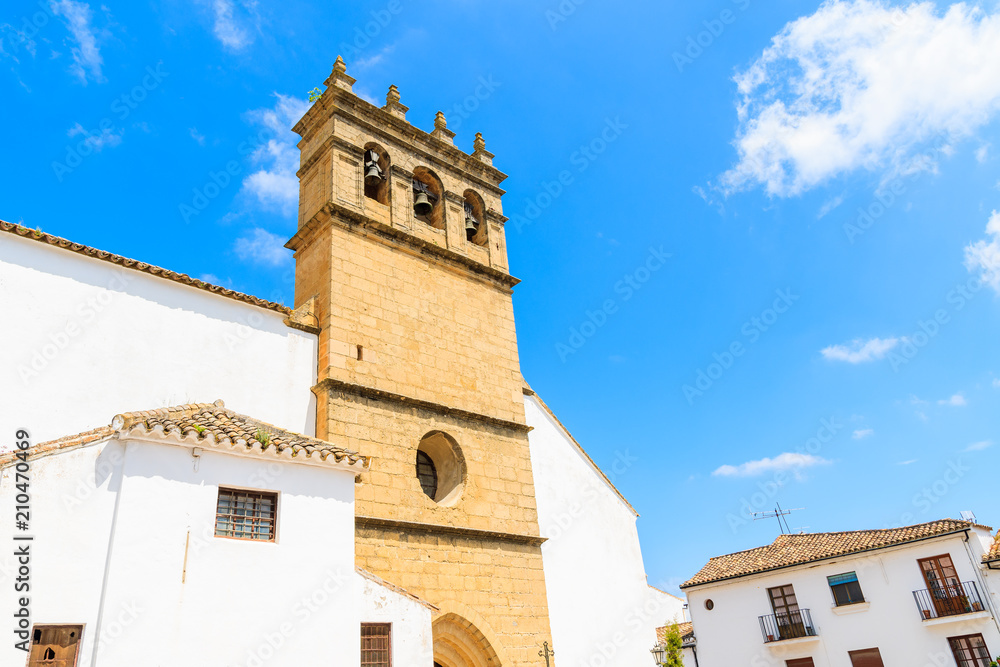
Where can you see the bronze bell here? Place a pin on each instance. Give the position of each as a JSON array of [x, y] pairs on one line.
[[422, 205], [373, 176], [471, 225]]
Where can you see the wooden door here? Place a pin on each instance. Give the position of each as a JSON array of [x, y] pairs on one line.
[[943, 585], [786, 612], [54, 645], [869, 657]]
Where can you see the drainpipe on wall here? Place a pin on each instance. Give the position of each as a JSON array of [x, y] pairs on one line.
[[982, 581]]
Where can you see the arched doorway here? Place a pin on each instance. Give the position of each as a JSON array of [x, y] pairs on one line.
[[458, 643]]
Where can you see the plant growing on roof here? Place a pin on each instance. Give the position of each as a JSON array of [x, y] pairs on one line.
[[315, 94], [199, 428], [263, 437]]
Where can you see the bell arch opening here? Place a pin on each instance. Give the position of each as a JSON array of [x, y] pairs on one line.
[[459, 643]]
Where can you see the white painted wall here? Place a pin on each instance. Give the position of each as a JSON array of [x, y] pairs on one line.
[[602, 611], [412, 634], [292, 602], [730, 634], [85, 340]]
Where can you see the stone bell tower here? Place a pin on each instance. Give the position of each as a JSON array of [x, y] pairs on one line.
[[400, 249]]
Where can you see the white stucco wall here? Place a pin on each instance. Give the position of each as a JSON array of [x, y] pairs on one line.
[[291, 602], [601, 610], [890, 620], [412, 635], [85, 340]]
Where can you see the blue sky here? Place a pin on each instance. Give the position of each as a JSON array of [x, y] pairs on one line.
[[824, 178]]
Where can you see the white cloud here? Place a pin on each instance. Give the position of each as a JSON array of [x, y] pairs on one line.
[[230, 23], [863, 85], [782, 462], [863, 433], [979, 446], [86, 52], [274, 184], [984, 255], [955, 401], [906, 463], [860, 351], [982, 153], [97, 141], [197, 136], [825, 209], [263, 247]]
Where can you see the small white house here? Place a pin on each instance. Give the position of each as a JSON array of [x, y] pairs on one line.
[[194, 536], [918, 596]]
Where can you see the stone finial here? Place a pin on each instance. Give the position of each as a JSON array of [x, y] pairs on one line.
[[441, 131], [392, 104], [480, 150], [339, 78]]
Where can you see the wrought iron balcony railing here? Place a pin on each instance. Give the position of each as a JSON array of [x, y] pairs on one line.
[[950, 600], [790, 625]]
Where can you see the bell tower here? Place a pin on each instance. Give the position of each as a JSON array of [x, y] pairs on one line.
[[401, 257]]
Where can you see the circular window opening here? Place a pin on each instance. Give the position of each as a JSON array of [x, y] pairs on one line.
[[440, 468], [709, 605]]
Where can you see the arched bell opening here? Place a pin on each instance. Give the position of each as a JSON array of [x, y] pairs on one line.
[[475, 219], [376, 167], [428, 197]]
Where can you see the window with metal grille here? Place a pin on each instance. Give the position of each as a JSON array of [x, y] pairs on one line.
[[846, 589], [970, 651], [246, 515], [54, 645], [376, 645], [427, 474]]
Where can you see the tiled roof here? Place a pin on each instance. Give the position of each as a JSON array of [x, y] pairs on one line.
[[183, 278], [210, 426], [393, 587], [789, 550], [687, 634], [994, 552]]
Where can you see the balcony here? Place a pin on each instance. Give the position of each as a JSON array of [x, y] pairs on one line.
[[950, 600], [791, 625]]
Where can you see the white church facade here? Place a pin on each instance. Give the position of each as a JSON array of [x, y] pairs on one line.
[[197, 495]]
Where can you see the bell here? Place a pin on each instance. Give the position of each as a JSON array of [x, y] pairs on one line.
[[373, 176], [422, 205], [471, 226]]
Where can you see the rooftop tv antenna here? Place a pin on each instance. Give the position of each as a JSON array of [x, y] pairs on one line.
[[779, 514]]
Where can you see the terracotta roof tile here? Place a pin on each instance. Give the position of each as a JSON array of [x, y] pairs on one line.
[[183, 278], [994, 552], [789, 550], [686, 630], [209, 425]]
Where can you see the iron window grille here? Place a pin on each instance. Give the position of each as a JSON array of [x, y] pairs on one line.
[[376, 645], [246, 515]]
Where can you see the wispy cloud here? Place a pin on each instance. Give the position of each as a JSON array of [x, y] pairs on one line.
[[996, 383], [197, 136], [979, 446], [782, 462], [956, 401], [860, 351], [85, 48], [232, 23], [863, 433], [274, 184], [97, 142], [831, 204], [984, 255], [906, 463], [982, 153], [260, 245], [863, 85]]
